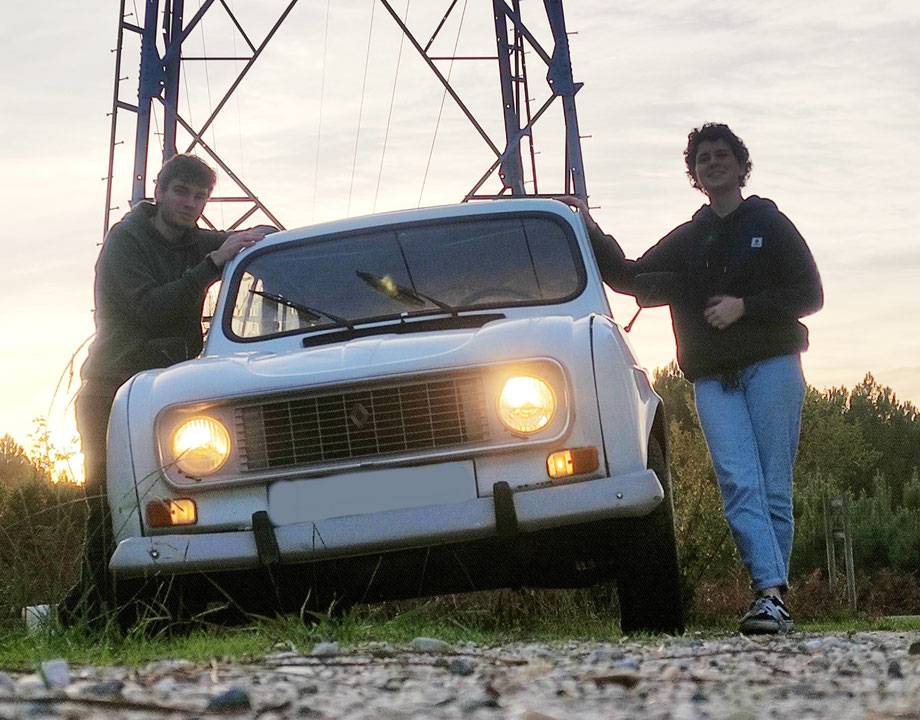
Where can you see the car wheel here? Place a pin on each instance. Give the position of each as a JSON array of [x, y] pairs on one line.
[[648, 581]]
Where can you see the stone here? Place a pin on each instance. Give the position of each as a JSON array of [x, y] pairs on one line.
[[471, 705], [699, 696], [600, 656], [325, 649], [894, 670], [427, 644], [7, 686], [623, 679], [96, 689], [31, 684], [535, 715], [671, 673], [55, 673], [165, 667], [381, 649], [164, 687], [393, 684], [235, 698], [461, 666], [627, 664]]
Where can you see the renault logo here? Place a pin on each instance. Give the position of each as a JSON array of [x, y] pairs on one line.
[[359, 415]]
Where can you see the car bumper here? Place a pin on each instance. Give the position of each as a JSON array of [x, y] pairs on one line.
[[631, 495]]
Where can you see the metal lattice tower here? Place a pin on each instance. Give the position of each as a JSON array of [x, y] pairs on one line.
[[163, 30]]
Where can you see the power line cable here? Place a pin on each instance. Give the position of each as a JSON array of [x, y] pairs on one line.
[[207, 78], [322, 95], [239, 112], [434, 137], [367, 57], [386, 134]]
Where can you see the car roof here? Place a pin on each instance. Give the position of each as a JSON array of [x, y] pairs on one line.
[[399, 217]]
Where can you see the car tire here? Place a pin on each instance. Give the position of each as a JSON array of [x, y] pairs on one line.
[[648, 580]]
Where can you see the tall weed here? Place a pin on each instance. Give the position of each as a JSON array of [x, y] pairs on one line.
[[41, 537]]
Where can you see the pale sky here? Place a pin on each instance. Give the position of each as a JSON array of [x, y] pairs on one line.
[[825, 94]]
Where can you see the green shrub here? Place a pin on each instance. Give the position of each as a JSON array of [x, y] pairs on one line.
[[41, 536]]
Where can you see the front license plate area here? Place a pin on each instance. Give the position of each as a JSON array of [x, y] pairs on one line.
[[358, 493]]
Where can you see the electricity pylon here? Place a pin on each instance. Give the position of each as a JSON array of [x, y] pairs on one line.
[[163, 30]]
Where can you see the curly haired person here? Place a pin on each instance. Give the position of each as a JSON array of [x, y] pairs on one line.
[[737, 277]]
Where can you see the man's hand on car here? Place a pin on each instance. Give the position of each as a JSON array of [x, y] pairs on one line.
[[236, 242]]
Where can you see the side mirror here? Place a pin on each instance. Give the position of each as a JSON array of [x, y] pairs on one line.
[[657, 288]]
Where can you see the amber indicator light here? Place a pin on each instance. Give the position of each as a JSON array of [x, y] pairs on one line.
[[573, 461], [164, 513]]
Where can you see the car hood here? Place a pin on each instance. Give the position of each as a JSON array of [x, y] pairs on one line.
[[214, 378]]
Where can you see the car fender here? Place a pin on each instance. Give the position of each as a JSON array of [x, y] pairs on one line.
[[626, 401], [121, 485]]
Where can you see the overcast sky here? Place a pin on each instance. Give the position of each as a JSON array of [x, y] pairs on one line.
[[825, 94]]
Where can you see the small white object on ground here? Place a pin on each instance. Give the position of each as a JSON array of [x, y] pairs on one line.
[[36, 616]]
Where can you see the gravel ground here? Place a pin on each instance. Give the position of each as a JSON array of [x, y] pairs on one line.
[[873, 675]]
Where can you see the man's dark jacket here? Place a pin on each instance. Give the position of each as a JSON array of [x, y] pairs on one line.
[[149, 293], [754, 253]]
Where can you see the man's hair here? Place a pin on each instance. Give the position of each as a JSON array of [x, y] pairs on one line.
[[188, 168], [710, 132]]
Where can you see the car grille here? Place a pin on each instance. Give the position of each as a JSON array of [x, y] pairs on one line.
[[373, 420]]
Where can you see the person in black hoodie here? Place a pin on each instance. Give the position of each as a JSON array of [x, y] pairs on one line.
[[738, 277], [152, 274]]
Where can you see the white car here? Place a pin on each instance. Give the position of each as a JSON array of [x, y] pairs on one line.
[[404, 404]]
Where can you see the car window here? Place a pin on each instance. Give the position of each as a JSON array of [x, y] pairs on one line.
[[417, 269]]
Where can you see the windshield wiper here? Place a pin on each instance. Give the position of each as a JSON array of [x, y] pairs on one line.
[[311, 314], [385, 285]]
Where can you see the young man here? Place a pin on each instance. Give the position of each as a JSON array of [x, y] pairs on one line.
[[151, 278]]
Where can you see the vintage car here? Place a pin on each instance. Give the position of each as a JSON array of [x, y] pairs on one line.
[[399, 405]]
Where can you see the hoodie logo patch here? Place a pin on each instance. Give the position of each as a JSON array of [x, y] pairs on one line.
[[756, 242]]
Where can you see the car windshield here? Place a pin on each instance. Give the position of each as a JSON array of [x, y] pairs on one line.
[[419, 269]]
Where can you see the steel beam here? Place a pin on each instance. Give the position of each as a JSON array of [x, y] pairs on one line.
[[160, 78]]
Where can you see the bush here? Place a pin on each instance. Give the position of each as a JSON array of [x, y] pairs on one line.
[[886, 535], [41, 536]]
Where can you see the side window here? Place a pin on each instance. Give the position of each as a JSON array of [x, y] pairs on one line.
[[209, 308]]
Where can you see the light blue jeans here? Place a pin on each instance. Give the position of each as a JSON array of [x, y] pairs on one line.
[[753, 433]]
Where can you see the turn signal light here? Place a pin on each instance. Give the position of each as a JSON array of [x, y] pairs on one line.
[[574, 461], [164, 513]]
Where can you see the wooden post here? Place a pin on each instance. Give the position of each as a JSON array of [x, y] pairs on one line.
[[837, 527], [848, 552], [829, 541]]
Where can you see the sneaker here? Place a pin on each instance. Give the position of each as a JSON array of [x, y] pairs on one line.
[[766, 616]]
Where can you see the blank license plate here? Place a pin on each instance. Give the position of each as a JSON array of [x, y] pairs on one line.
[[357, 493]]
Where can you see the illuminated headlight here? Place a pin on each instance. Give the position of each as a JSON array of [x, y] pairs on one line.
[[200, 446], [526, 404]]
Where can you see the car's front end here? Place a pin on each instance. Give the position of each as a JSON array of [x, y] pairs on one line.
[[399, 399]]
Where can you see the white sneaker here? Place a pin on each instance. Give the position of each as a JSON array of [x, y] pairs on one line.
[[766, 616]]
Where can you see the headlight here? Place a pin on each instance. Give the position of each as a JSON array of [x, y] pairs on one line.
[[526, 404], [200, 446]]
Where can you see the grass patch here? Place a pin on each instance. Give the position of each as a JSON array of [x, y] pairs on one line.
[[487, 619]]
